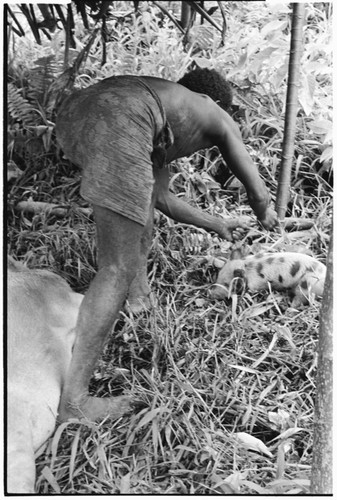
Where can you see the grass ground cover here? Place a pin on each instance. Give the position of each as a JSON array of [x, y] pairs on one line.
[[207, 376]]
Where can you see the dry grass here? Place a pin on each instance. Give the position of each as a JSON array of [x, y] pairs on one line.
[[200, 370]]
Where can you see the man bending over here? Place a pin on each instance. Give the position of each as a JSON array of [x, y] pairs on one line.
[[122, 132]]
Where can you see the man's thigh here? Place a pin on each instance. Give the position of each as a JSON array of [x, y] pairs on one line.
[[118, 239]]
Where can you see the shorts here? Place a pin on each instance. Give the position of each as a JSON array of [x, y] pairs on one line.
[[117, 132]]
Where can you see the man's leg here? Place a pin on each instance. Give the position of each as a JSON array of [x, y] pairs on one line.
[[118, 242], [139, 292]]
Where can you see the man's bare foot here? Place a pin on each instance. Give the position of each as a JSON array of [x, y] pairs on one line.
[[93, 409]]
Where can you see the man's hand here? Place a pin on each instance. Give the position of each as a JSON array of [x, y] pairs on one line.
[[269, 219], [234, 229]]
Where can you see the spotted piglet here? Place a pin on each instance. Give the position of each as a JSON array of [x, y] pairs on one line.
[[301, 274]]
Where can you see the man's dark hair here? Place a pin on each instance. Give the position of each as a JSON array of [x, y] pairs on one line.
[[209, 82]]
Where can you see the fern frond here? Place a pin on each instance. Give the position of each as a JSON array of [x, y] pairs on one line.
[[41, 76], [20, 109]]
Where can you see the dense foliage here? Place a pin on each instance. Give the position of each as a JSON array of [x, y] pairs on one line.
[[201, 370]]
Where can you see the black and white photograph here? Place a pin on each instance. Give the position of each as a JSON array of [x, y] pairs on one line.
[[168, 248]]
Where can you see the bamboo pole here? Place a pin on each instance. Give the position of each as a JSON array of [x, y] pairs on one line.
[[296, 49]]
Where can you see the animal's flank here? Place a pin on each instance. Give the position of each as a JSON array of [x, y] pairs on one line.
[[42, 313], [296, 266], [259, 269]]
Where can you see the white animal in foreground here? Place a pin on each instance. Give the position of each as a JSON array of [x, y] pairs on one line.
[[42, 313], [301, 274]]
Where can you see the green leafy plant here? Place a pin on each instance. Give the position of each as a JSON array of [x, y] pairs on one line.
[[31, 109]]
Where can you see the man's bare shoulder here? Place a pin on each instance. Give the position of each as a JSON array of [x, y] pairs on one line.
[[168, 91], [199, 109]]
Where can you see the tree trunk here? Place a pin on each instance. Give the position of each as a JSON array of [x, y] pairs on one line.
[[186, 14], [321, 474], [296, 48]]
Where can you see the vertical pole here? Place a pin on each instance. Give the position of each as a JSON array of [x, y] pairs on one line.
[[296, 49]]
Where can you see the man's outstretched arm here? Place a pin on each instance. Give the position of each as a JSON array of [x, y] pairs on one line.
[[180, 211], [227, 137]]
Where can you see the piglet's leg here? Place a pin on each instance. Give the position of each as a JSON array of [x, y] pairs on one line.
[[310, 286], [301, 294]]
